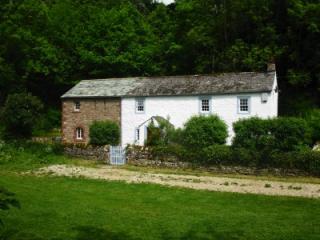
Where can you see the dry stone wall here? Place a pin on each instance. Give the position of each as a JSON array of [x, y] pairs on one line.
[[98, 153], [141, 156]]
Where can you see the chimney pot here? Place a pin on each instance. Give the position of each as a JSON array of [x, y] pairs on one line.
[[271, 67]]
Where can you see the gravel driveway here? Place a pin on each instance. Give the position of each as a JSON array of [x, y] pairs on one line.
[[222, 184]]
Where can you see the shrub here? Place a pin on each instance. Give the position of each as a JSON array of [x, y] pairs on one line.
[[19, 114], [313, 120], [290, 133], [245, 157], [104, 132], [167, 152], [266, 135], [162, 134], [253, 133], [306, 160], [203, 131], [217, 154]]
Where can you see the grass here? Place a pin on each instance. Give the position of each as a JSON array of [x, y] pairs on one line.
[[27, 156], [81, 209], [70, 208]]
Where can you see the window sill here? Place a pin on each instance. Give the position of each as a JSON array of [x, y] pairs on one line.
[[80, 140]]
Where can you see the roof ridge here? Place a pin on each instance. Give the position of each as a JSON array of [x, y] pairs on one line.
[[175, 76]]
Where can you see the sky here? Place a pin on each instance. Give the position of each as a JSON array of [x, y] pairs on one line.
[[166, 1]]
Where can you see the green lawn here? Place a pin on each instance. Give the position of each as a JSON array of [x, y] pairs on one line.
[[69, 208], [62, 208]]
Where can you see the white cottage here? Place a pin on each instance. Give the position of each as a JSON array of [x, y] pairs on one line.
[[132, 102]]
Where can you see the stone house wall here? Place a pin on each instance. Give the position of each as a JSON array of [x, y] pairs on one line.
[[90, 110]]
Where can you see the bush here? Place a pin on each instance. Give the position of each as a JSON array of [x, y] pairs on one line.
[[245, 157], [217, 154], [104, 132], [266, 135], [162, 134], [291, 133], [203, 131], [167, 152], [313, 120], [306, 160], [20, 112], [253, 133]]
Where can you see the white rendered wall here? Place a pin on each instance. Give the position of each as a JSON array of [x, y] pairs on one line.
[[180, 108]]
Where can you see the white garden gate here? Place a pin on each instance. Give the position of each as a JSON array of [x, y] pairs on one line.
[[117, 155]]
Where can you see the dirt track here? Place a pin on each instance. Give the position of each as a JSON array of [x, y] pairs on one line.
[[222, 184]]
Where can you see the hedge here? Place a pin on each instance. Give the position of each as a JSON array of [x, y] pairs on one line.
[[265, 135], [216, 155], [313, 120], [104, 132]]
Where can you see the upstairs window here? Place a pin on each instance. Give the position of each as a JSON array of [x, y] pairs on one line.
[[140, 105], [76, 106], [205, 105], [79, 133], [243, 104]]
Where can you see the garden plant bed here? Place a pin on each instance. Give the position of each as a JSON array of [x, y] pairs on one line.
[[211, 183]]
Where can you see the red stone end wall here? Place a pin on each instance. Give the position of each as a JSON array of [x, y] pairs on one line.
[[90, 110]]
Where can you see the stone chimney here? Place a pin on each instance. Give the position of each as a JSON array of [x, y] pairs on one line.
[[271, 67]]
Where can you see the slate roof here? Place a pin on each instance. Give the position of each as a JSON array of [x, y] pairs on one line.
[[225, 83]]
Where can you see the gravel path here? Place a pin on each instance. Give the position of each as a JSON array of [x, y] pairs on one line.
[[222, 184]]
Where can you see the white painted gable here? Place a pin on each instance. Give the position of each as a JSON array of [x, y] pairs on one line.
[[180, 108]]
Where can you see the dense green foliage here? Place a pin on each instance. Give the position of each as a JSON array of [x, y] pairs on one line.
[[203, 131], [47, 46], [216, 155], [82, 209], [260, 143], [7, 201], [104, 132], [160, 132], [19, 115], [313, 119], [48, 121], [277, 134]]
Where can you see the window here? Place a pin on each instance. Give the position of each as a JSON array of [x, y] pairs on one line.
[[140, 105], [79, 133], [77, 106], [205, 105], [243, 105], [137, 134]]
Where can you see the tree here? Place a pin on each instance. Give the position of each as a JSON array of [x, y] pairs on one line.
[[19, 115]]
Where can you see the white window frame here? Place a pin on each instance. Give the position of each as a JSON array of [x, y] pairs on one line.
[[138, 104], [201, 105], [79, 133], [76, 106], [248, 104]]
